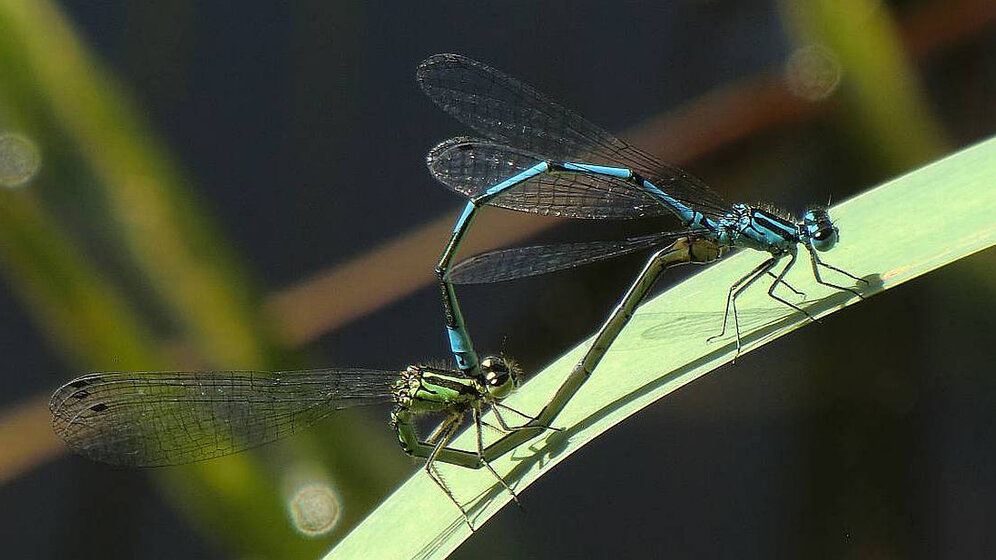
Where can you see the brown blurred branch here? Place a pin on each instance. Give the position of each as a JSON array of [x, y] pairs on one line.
[[343, 293], [26, 438], [939, 25]]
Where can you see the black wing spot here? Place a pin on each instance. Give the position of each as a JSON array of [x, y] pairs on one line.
[[79, 383], [81, 394], [99, 407]]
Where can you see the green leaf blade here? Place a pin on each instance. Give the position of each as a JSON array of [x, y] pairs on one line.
[[890, 235]]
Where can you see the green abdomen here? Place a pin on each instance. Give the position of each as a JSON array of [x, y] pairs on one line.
[[441, 391]]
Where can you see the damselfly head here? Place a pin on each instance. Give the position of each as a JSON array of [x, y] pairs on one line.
[[820, 229], [501, 376]]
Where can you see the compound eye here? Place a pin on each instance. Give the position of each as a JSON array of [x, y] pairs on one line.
[[493, 364], [497, 377], [496, 373], [824, 239]]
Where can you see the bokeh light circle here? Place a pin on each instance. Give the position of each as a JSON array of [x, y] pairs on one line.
[[314, 509], [19, 159], [813, 73]]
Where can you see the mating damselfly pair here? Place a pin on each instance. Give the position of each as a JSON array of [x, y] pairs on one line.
[[535, 156]]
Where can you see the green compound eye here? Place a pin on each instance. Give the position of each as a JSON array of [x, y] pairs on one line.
[[498, 377]]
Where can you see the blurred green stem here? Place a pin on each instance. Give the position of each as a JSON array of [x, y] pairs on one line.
[[85, 316], [167, 233], [883, 100], [96, 146]]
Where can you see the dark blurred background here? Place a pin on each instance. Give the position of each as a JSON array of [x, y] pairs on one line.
[[242, 186]]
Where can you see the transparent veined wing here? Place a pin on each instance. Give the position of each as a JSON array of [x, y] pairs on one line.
[[522, 262], [510, 112], [471, 166], [168, 418]]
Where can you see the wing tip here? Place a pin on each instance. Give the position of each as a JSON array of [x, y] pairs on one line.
[[425, 68]]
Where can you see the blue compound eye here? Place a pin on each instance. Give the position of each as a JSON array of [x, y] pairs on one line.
[[822, 233], [825, 239]]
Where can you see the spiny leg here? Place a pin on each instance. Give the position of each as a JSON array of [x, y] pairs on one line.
[[503, 427], [496, 406], [831, 267], [780, 279], [438, 431], [444, 432], [757, 271], [787, 285], [485, 462], [842, 271], [817, 263], [498, 429], [769, 264]]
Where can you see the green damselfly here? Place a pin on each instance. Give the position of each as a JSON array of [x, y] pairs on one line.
[[157, 419]]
